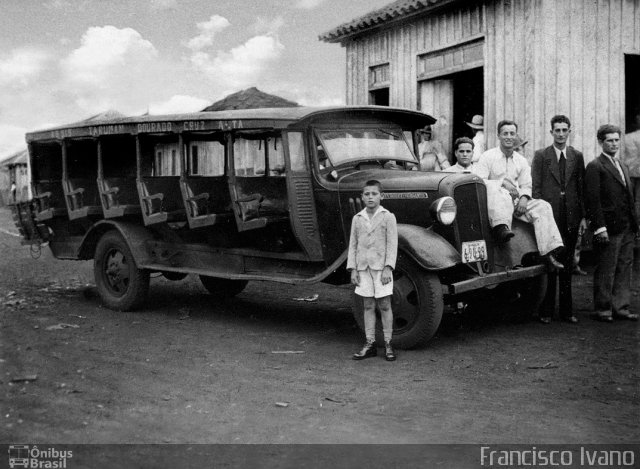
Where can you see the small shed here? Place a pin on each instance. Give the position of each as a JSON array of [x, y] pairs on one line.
[[15, 169], [525, 60]]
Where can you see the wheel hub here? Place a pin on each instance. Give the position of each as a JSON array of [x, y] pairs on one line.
[[404, 302]]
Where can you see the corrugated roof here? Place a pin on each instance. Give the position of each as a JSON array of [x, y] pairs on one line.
[[251, 98], [393, 11], [15, 159]]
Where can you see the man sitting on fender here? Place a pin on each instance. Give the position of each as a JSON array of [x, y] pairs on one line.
[[508, 178]]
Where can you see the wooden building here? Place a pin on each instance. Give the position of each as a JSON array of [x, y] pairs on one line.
[[525, 60], [15, 169]]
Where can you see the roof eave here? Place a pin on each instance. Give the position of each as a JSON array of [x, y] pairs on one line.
[[349, 30]]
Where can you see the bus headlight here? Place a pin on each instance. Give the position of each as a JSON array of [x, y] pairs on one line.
[[444, 210]]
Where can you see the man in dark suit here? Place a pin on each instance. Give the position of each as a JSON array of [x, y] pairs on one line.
[[609, 204], [558, 177]]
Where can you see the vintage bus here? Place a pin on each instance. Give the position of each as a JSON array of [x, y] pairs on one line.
[[267, 194]]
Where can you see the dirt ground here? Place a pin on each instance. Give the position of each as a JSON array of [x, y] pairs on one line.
[[192, 369]]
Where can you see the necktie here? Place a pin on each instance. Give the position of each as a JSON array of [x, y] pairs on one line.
[[562, 164], [616, 163]]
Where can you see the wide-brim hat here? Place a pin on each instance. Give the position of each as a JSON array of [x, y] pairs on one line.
[[477, 122], [519, 142]]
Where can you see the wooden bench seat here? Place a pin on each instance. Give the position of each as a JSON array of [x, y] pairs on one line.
[[118, 197], [82, 198], [161, 199], [206, 199], [260, 202], [49, 200]]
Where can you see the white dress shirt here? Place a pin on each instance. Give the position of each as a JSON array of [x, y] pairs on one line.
[[494, 165]]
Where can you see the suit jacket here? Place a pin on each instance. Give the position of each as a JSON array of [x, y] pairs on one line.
[[608, 202], [374, 243], [545, 173]]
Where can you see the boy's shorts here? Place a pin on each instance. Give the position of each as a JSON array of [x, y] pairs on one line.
[[371, 284]]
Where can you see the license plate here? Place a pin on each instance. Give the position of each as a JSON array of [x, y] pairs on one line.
[[474, 251]]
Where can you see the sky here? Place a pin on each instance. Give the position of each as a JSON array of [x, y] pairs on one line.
[[62, 61]]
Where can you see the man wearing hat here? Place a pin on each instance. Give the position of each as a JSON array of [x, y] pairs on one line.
[[431, 153], [477, 124]]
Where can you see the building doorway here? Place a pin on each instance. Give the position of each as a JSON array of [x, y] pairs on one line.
[[468, 100], [632, 91], [453, 99]]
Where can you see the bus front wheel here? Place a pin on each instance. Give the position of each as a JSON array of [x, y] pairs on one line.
[[416, 303], [121, 285]]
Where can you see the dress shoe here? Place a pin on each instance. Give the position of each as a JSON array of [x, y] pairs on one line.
[[578, 271], [545, 319], [602, 317], [553, 262], [389, 354], [570, 319], [502, 233], [626, 315], [369, 350]]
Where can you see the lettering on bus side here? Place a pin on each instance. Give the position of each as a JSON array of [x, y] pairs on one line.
[[192, 125], [63, 133], [146, 127]]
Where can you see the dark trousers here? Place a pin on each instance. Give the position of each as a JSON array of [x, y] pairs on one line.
[[563, 277], [612, 277]]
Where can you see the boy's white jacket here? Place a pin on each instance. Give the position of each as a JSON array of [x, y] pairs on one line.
[[373, 243]]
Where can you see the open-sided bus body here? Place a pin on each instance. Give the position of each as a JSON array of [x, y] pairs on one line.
[[266, 194]]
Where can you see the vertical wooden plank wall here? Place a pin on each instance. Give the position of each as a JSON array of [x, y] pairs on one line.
[[542, 57], [570, 60], [400, 45]]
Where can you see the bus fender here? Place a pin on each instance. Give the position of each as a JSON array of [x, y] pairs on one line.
[[135, 235], [430, 250]]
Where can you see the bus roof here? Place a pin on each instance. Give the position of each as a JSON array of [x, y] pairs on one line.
[[220, 120]]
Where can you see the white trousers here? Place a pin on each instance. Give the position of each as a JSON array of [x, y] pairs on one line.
[[539, 214]]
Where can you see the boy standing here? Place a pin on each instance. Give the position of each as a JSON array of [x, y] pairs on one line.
[[373, 247]]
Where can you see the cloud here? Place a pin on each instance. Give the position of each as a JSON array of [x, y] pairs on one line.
[[208, 31], [179, 104], [164, 4], [308, 95], [267, 27], [106, 52], [115, 69], [11, 140], [66, 5], [308, 4], [21, 66], [243, 65]]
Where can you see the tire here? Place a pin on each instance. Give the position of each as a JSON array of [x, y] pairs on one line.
[[416, 303], [121, 285], [223, 287]]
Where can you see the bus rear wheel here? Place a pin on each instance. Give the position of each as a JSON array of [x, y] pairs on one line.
[[416, 303], [121, 285], [223, 287]]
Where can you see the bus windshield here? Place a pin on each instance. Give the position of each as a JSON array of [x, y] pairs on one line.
[[347, 146]]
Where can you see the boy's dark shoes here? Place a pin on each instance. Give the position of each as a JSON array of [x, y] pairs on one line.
[[502, 233], [545, 319], [389, 353], [369, 350]]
